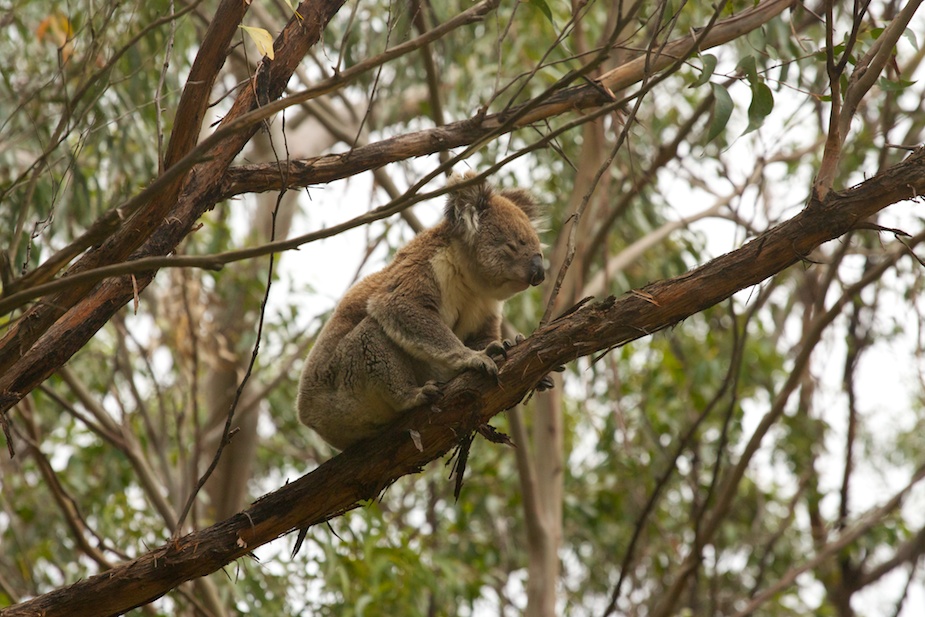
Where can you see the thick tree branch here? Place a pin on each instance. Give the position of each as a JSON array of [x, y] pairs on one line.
[[365, 470], [51, 332], [117, 238]]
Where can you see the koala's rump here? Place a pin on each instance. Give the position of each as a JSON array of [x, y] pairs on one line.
[[363, 382]]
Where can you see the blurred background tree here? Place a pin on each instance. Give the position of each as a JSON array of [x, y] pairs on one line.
[[763, 455]]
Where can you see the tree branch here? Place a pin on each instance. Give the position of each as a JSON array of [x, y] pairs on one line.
[[52, 331], [365, 470], [319, 170]]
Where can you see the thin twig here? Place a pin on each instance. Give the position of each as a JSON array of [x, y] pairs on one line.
[[227, 432]]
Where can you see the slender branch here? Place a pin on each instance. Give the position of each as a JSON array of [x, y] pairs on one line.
[[730, 483], [868, 69], [845, 539], [863, 77], [834, 139], [908, 552], [227, 432], [475, 130], [66, 504], [124, 441]]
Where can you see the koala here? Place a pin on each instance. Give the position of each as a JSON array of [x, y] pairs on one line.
[[432, 313]]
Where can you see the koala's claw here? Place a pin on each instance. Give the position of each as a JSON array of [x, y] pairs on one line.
[[509, 344], [518, 339], [500, 348], [497, 348], [430, 391], [483, 362], [547, 383]]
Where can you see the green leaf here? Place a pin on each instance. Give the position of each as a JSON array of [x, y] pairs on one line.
[[543, 8], [910, 36], [722, 110], [889, 85], [709, 65], [761, 105], [749, 67]]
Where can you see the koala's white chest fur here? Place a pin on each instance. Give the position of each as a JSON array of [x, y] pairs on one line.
[[463, 306]]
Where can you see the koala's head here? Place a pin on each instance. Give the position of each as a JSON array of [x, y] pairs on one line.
[[497, 230]]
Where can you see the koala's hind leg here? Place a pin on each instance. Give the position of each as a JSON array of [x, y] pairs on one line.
[[390, 371]]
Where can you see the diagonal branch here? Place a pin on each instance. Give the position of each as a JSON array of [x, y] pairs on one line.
[[365, 470], [51, 332]]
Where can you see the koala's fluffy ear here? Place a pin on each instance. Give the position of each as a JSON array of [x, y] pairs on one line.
[[524, 200], [465, 204]]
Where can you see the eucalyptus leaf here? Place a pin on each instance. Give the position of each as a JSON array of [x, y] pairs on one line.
[[749, 67], [722, 110], [709, 65], [261, 38], [543, 7], [761, 105], [894, 85]]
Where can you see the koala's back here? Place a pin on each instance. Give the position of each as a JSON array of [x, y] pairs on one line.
[[340, 392]]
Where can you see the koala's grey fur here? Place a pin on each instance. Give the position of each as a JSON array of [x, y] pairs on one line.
[[426, 317]]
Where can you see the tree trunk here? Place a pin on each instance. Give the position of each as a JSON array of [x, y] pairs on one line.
[[548, 455]]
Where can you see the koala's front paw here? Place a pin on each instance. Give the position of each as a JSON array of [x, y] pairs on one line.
[[483, 362]]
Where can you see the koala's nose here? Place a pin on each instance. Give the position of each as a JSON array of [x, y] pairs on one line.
[[537, 274]]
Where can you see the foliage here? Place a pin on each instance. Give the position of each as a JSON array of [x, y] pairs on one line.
[[695, 160]]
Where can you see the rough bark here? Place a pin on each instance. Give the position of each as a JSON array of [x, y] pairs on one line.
[[363, 471]]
